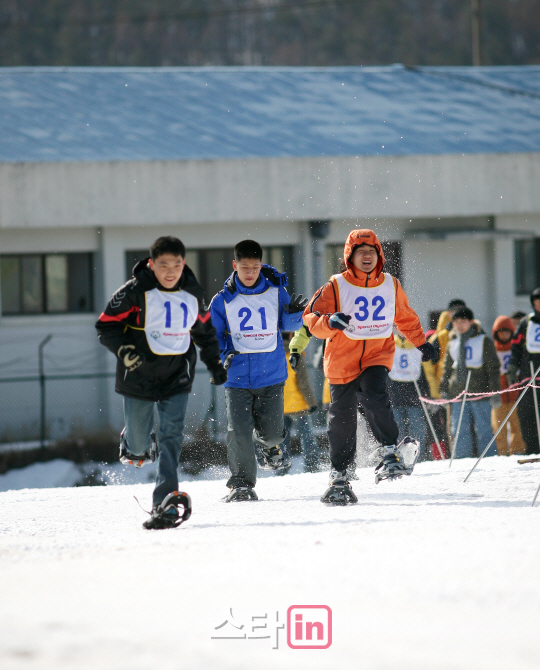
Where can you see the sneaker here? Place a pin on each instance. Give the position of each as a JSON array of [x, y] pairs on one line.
[[167, 515], [241, 493], [149, 456]]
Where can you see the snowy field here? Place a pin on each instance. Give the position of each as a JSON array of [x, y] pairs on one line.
[[426, 573]]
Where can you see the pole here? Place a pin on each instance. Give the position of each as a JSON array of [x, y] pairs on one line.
[[476, 25], [531, 381], [429, 420], [42, 390], [454, 444], [536, 406]]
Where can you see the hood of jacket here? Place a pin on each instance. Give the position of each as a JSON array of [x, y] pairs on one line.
[[146, 279], [502, 322], [355, 239], [444, 320], [269, 277], [402, 342]]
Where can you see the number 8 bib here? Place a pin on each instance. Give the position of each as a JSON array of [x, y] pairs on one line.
[[372, 308]]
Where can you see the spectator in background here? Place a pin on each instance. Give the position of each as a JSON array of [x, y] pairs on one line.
[[300, 402], [516, 317], [526, 350], [407, 369], [502, 336], [470, 349]]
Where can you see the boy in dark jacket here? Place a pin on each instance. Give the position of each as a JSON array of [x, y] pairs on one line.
[[470, 349], [249, 314], [526, 357], [150, 325]]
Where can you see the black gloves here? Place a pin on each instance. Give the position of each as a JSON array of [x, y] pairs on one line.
[[339, 321], [298, 304], [218, 374], [428, 351], [130, 357], [293, 360], [229, 355]]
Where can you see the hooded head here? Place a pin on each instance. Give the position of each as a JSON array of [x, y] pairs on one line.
[[355, 239], [502, 323]]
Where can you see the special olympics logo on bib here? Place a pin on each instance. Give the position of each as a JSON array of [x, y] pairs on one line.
[[237, 337], [156, 334]]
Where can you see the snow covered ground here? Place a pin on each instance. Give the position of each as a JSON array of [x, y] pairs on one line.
[[424, 573]]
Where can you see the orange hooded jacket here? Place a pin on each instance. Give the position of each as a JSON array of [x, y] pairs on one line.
[[345, 358], [500, 323]]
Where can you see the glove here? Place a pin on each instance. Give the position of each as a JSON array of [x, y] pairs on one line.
[[511, 374], [339, 321], [298, 304], [495, 401], [229, 355], [218, 375], [130, 357], [293, 360], [428, 351]]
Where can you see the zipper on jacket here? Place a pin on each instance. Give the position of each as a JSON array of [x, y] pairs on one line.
[[364, 347]]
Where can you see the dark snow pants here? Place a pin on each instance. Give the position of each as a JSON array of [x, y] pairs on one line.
[[369, 389], [252, 414], [527, 421]]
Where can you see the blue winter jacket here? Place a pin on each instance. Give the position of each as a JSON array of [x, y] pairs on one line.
[[255, 370]]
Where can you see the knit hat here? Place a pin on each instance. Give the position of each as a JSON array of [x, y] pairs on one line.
[[535, 295], [463, 313]]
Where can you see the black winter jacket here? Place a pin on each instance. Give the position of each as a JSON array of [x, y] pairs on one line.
[[520, 357], [123, 322]]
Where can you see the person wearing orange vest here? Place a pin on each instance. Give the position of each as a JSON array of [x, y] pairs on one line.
[[355, 312]]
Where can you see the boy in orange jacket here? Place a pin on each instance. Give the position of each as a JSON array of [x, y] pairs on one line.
[[355, 313]]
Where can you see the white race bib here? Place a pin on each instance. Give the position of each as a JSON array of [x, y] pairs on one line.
[[372, 308], [253, 321], [474, 351], [407, 365], [504, 358], [169, 318], [533, 337]]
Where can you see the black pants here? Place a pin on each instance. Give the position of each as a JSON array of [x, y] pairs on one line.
[[369, 389], [527, 421]]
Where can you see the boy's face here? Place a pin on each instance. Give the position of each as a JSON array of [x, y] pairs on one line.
[[365, 258], [168, 269], [504, 335], [462, 325], [248, 270], [536, 304]]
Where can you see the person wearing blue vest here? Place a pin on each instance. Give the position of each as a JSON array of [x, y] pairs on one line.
[[249, 315], [471, 350]]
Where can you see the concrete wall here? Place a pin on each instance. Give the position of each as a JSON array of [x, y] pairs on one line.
[[274, 189]]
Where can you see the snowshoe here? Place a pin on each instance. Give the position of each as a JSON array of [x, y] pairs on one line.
[[149, 456], [241, 493], [340, 491], [398, 460], [274, 459], [167, 515]]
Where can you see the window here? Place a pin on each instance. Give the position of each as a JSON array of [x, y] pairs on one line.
[[46, 283], [213, 266], [527, 264]]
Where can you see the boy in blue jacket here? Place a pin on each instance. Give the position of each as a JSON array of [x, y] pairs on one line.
[[249, 314]]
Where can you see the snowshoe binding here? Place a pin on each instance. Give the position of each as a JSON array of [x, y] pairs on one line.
[[149, 456], [398, 460], [340, 491], [241, 493], [167, 514], [274, 459]]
